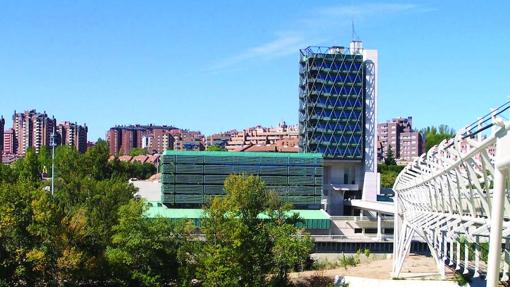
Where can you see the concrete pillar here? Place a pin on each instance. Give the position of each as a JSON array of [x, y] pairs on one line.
[[466, 257], [498, 199], [505, 262], [445, 247], [379, 226], [457, 266], [452, 242], [477, 256]]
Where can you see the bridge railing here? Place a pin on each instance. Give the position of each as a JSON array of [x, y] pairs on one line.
[[456, 198]]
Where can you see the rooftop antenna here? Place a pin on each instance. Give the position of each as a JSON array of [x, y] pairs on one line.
[[354, 36]]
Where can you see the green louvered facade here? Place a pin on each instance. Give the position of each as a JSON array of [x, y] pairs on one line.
[[190, 179]]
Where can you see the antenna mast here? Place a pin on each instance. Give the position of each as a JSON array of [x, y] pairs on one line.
[[354, 36]]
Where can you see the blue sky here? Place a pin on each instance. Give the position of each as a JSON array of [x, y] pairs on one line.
[[219, 65]]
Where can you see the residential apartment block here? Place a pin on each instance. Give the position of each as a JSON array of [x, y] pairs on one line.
[[9, 142], [220, 139], [405, 143], [186, 140], [122, 139], [153, 138], [264, 139], [31, 129], [2, 127], [158, 140], [72, 134]]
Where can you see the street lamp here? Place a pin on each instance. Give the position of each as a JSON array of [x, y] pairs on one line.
[[53, 144]]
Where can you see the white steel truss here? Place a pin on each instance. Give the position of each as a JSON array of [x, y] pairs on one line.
[[456, 198]]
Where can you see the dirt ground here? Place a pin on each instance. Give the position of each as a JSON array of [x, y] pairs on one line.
[[415, 266]]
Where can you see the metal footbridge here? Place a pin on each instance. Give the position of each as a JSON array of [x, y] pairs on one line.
[[456, 198]]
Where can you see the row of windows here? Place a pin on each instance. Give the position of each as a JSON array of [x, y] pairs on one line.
[[336, 65], [319, 113], [337, 138], [337, 78], [339, 127], [337, 90], [340, 151], [338, 102]]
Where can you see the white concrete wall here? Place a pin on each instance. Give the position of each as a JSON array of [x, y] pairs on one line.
[[148, 190], [370, 57], [371, 183]]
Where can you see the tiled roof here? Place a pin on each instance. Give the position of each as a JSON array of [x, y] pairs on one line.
[[125, 158], [140, 158]]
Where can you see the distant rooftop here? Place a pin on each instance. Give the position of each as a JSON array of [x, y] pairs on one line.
[[243, 154], [142, 127], [314, 219]]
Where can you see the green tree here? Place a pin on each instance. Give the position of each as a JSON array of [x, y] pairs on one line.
[[390, 157], [47, 240], [249, 236], [44, 159], [435, 135], [388, 179], [28, 168], [15, 239], [8, 174], [144, 251], [69, 163], [389, 174], [97, 158], [137, 151], [216, 148]]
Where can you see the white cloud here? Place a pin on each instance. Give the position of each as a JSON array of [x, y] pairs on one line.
[[365, 9], [337, 17], [282, 45]]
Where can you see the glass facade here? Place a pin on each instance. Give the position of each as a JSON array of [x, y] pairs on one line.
[[331, 102], [190, 179]]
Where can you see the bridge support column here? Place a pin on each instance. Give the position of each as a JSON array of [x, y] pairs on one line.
[[466, 257], [477, 256], [451, 253], [457, 266], [379, 223], [498, 200], [505, 262], [445, 247]]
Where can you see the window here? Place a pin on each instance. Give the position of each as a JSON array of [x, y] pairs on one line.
[[388, 230]]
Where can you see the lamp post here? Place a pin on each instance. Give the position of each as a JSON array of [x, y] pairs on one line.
[[52, 143]]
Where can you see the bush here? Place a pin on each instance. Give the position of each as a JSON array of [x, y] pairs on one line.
[[460, 279], [319, 265], [349, 260], [367, 252]]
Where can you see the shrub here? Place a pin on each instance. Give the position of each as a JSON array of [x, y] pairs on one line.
[[460, 279], [367, 252], [349, 260]]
